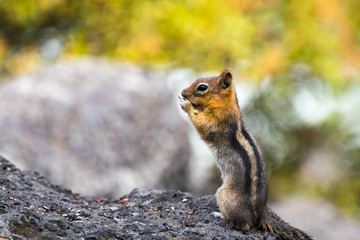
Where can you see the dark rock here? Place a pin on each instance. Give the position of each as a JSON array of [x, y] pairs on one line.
[[45, 211], [118, 123]]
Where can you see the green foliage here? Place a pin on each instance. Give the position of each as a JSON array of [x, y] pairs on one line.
[[257, 38], [309, 137]]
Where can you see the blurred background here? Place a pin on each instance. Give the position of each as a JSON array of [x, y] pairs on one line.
[[296, 66]]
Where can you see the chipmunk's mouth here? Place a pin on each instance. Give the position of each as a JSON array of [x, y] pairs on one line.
[[196, 106]]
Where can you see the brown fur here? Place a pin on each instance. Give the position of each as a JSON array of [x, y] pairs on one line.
[[214, 111]]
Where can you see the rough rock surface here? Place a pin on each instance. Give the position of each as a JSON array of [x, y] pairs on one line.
[[118, 123], [31, 207]]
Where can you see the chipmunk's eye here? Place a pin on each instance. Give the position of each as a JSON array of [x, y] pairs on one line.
[[202, 87]]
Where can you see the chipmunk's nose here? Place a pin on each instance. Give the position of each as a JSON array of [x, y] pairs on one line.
[[184, 93]]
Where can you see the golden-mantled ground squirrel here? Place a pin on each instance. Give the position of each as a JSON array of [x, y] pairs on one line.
[[212, 106]]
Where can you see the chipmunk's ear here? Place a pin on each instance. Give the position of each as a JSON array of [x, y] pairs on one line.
[[226, 78]]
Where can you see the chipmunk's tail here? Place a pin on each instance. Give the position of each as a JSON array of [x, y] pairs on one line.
[[273, 223]]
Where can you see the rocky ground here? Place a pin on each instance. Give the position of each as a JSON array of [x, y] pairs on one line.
[[31, 207]]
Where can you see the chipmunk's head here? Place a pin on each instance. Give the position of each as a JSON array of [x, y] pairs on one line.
[[211, 104], [212, 95]]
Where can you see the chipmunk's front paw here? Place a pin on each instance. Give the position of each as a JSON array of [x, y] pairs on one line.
[[217, 215], [185, 104]]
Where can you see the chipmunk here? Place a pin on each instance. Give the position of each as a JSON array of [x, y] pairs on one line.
[[212, 106]]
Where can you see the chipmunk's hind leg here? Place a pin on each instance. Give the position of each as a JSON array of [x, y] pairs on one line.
[[234, 209]]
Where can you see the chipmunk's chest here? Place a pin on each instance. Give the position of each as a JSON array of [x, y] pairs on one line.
[[230, 164]]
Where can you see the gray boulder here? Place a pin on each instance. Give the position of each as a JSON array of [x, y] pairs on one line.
[[96, 127]]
